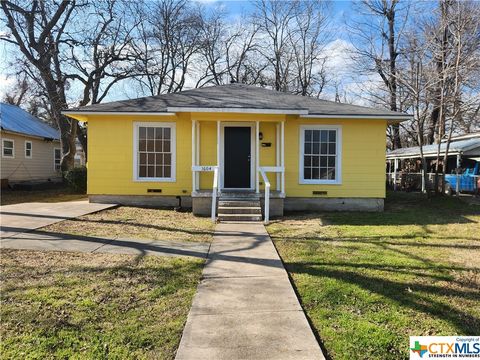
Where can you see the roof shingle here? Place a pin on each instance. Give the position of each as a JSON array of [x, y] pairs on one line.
[[236, 96]]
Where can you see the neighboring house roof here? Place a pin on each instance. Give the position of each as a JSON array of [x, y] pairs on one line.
[[16, 120], [469, 146], [233, 97]]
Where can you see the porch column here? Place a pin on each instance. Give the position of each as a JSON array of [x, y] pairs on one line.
[[257, 156], [282, 154], [219, 165], [277, 155], [395, 174], [197, 151], [194, 156], [423, 179], [457, 187]]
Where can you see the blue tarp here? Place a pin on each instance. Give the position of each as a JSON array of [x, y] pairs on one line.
[[14, 119]]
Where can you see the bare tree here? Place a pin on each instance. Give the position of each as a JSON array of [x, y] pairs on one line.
[[377, 38], [307, 40], [274, 19], [228, 53], [165, 42], [71, 42], [36, 31]]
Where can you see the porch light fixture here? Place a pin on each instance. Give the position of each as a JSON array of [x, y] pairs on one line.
[[260, 136]]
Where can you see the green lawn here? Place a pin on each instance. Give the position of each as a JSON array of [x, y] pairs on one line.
[[93, 306], [367, 281], [138, 223]]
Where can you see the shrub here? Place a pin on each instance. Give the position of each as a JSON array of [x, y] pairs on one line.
[[76, 179]]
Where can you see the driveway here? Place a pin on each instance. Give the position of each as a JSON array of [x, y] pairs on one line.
[[20, 218], [19, 221]]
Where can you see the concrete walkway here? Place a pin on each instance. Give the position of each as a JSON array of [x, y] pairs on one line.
[[20, 218], [245, 306]]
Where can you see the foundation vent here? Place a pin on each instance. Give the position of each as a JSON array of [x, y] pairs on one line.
[[316, 192], [154, 190]]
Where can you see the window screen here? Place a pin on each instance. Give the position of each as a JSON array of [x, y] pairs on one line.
[[319, 154]]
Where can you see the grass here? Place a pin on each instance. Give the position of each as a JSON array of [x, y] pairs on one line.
[[141, 223], [93, 306], [9, 197], [368, 281]]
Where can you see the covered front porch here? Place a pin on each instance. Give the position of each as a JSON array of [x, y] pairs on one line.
[[238, 158]]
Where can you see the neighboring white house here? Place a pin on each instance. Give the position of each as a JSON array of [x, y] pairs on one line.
[[30, 147]]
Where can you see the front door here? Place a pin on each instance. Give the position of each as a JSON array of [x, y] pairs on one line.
[[237, 156]]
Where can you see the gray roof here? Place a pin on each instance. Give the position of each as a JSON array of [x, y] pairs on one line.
[[236, 96], [462, 146], [16, 120]]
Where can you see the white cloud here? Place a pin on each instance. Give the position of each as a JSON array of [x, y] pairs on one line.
[[339, 58], [6, 83]]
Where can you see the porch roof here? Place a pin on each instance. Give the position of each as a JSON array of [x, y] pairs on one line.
[[469, 146], [238, 98]]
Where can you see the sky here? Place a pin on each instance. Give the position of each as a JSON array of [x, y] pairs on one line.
[[338, 62]]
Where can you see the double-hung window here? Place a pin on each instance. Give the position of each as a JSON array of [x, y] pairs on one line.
[[57, 159], [8, 148], [154, 151], [320, 154], [28, 149]]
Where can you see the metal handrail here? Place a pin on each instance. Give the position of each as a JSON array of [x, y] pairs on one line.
[[214, 193], [267, 195]]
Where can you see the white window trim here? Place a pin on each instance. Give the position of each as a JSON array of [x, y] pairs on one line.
[[338, 165], [173, 148], [31, 149], [54, 167], [13, 148]]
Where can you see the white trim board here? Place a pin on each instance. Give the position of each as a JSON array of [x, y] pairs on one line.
[[25, 149], [367, 117], [66, 112], [13, 148], [173, 149], [60, 163], [338, 163]]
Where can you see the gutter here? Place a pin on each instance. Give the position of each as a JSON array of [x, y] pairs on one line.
[[369, 117], [302, 113], [30, 136]]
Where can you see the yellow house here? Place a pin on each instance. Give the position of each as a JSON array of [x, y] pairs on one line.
[[228, 149]]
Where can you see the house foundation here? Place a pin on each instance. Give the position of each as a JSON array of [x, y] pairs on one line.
[[333, 204], [143, 200]]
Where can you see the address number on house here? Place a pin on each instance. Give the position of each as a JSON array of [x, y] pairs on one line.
[[203, 168]]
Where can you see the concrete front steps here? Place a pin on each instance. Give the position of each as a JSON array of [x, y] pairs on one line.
[[239, 208]]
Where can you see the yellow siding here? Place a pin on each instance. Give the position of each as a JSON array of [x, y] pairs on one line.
[[111, 154], [208, 151], [268, 154], [363, 159]]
